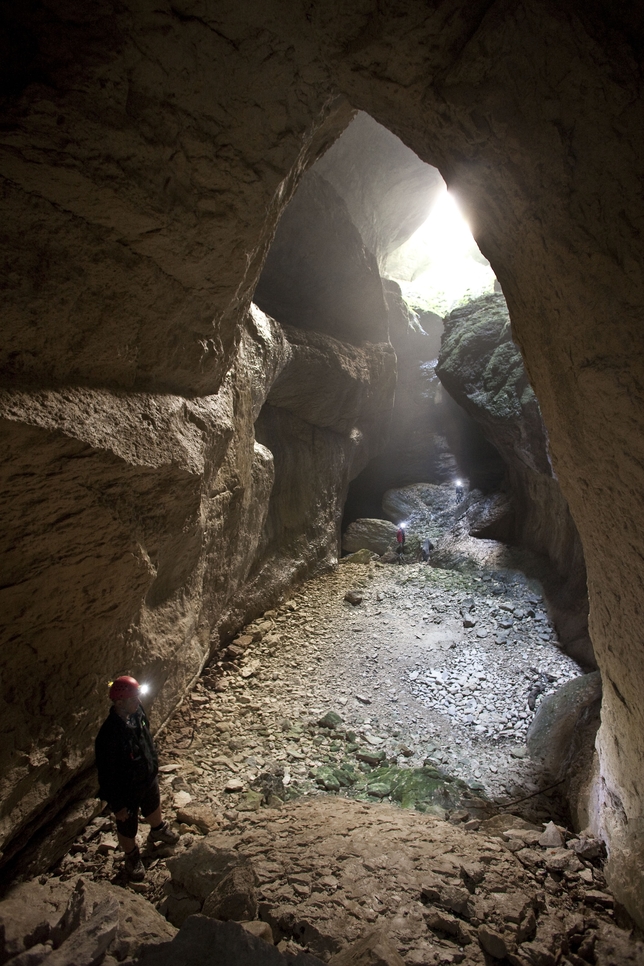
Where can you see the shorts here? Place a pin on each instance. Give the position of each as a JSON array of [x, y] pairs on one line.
[[148, 802]]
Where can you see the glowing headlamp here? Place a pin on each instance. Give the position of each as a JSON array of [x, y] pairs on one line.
[[144, 689]]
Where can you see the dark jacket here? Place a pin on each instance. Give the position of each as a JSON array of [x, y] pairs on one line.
[[126, 759]]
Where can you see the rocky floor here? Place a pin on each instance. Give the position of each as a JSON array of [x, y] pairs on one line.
[[387, 686], [431, 667]]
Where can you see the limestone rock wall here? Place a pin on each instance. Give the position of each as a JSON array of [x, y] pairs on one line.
[[483, 371], [145, 527], [319, 274], [148, 149], [387, 189], [432, 439]]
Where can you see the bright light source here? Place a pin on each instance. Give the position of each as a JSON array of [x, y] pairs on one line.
[[440, 264], [459, 483], [144, 689]]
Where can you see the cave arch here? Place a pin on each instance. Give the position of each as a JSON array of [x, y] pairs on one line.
[[147, 154]]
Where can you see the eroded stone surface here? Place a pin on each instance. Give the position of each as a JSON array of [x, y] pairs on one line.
[[147, 153], [483, 370]]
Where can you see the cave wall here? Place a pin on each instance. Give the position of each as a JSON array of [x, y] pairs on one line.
[[145, 528], [483, 371], [387, 189], [147, 151]]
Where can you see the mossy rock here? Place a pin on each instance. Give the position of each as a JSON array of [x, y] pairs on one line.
[[327, 779], [416, 786]]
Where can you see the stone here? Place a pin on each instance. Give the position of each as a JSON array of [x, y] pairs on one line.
[[587, 847], [562, 736], [200, 815], [552, 837], [370, 756], [199, 936], [378, 536], [353, 598], [374, 949], [203, 866], [80, 910], [359, 557], [178, 904], [234, 897], [492, 942], [457, 900], [234, 786], [378, 789], [331, 720], [442, 922], [250, 801], [181, 799], [260, 929], [90, 940]]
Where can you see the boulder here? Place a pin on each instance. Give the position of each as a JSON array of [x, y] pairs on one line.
[[234, 897], [492, 942], [208, 942], [81, 919], [202, 867], [483, 370], [201, 816], [378, 536], [374, 949], [359, 557], [562, 720]]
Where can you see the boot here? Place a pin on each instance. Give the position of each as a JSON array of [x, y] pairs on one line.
[[163, 834], [133, 866]]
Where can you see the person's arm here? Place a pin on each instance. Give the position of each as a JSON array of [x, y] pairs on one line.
[[112, 771]]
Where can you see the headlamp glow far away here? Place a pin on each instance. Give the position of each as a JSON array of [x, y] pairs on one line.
[[144, 689]]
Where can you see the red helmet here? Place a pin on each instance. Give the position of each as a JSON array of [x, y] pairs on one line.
[[123, 687]]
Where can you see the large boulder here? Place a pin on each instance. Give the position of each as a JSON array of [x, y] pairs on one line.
[[482, 368], [375, 535], [234, 897], [79, 919], [562, 738], [207, 942], [203, 866]]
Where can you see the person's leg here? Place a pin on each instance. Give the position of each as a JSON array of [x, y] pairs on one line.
[[126, 830], [127, 844], [154, 818], [160, 831], [126, 833]]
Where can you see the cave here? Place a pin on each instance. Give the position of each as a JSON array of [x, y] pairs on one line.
[[162, 432]]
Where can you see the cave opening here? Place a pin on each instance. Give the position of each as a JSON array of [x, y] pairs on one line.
[[488, 616]]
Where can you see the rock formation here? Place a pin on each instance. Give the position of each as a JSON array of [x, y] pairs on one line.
[[432, 439], [147, 152], [482, 369], [147, 526], [387, 189]]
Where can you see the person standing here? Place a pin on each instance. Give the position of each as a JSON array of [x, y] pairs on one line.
[[128, 764], [400, 537]]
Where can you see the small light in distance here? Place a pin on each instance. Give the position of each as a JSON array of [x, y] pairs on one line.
[[459, 482], [144, 689]]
